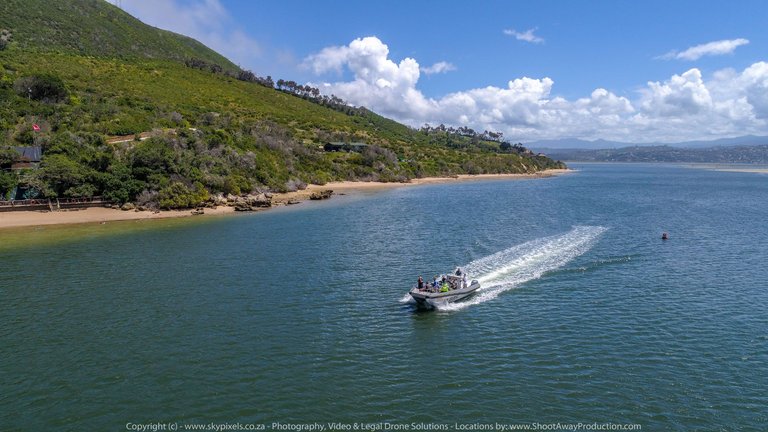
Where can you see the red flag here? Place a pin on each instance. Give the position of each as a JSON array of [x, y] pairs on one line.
[[36, 127]]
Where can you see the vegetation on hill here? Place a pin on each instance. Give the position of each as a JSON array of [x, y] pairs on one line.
[[214, 129], [96, 28]]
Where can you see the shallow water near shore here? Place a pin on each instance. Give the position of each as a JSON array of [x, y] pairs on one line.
[[299, 315], [19, 238]]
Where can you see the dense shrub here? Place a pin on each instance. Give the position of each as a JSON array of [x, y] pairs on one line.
[[62, 174], [236, 184], [147, 199], [8, 181], [44, 88], [119, 184], [153, 156], [178, 195], [7, 156], [5, 38], [24, 134], [84, 190], [293, 185]]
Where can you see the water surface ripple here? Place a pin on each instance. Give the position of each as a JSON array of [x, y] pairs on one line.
[[297, 315]]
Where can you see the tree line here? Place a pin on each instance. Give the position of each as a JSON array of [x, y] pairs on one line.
[[468, 132], [242, 75], [306, 92]]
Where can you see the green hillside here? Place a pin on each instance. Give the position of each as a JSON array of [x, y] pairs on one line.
[[96, 28], [211, 129]]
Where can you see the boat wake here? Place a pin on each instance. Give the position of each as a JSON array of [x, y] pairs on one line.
[[518, 264]]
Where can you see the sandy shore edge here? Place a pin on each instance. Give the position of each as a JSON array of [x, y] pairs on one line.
[[742, 170], [17, 219], [725, 167]]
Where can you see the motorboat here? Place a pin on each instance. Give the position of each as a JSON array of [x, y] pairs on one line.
[[446, 289]]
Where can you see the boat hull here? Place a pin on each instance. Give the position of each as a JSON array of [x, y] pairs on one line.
[[432, 300]]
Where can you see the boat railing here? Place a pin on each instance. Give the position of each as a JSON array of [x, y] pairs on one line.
[[454, 282]]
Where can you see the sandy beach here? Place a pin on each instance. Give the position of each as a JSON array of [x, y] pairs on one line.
[[16, 219], [743, 170], [757, 169]]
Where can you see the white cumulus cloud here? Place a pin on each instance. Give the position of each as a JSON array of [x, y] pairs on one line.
[[439, 67], [684, 107], [526, 36], [681, 95], [720, 47]]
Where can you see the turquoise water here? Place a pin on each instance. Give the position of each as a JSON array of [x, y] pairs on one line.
[[299, 315]]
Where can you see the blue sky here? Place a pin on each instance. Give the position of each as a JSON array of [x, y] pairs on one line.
[[621, 70]]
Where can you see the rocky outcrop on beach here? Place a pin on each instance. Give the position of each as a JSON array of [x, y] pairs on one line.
[[321, 195], [249, 202], [241, 203]]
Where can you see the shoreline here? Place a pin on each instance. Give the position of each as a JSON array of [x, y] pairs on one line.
[[101, 215], [736, 168]]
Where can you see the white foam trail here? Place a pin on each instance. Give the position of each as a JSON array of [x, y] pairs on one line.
[[511, 267]]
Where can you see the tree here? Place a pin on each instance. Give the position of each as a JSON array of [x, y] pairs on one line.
[[61, 173], [215, 68], [196, 63], [8, 181], [246, 75], [152, 156], [118, 184], [5, 38], [7, 156]]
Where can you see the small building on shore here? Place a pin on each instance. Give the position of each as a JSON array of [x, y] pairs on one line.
[[29, 157]]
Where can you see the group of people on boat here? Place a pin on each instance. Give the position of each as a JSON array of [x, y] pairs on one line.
[[444, 284]]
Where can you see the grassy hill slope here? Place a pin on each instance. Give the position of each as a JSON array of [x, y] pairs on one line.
[[96, 28]]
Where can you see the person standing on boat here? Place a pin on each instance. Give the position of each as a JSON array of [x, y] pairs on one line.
[[421, 283]]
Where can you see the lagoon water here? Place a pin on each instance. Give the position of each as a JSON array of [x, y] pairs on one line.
[[299, 315]]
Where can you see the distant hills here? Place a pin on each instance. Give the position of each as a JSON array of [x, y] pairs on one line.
[[723, 154], [747, 149], [575, 143]]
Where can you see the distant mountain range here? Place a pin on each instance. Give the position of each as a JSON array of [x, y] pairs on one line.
[[575, 143], [745, 149], [724, 154]]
